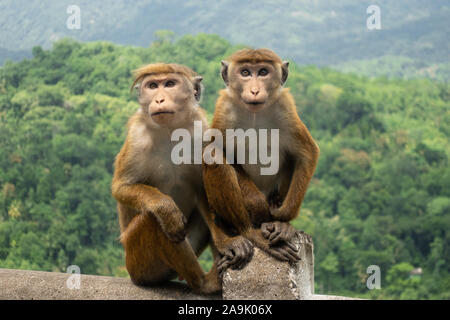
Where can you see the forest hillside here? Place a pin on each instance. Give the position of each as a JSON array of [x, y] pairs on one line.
[[380, 195]]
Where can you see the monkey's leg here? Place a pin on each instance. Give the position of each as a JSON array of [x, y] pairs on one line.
[[277, 232], [259, 207], [254, 200], [141, 243], [225, 196], [234, 251], [152, 258]]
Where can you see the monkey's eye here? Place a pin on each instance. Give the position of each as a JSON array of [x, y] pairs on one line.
[[152, 85], [170, 84], [245, 72], [263, 72]]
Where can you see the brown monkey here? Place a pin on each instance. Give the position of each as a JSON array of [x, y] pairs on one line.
[[162, 206], [239, 194]]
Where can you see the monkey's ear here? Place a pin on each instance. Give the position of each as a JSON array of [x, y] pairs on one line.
[[198, 87], [284, 71], [136, 88], [224, 71]]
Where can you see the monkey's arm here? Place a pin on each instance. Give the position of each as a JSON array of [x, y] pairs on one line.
[[147, 199], [305, 153]]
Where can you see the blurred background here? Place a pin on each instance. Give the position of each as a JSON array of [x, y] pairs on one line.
[[375, 100]]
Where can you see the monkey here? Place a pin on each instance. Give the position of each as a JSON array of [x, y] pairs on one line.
[[162, 207], [255, 205]]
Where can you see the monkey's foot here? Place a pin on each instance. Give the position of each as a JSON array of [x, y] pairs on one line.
[[213, 283], [278, 232], [284, 251]]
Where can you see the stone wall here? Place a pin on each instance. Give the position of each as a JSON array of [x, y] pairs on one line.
[[262, 278]]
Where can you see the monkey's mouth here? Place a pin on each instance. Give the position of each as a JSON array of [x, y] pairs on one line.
[[255, 106], [256, 103], [162, 112]]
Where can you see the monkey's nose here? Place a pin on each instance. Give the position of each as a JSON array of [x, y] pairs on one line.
[[254, 91], [159, 101]]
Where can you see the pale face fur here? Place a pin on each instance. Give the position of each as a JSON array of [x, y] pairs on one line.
[[255, 86], [167, 98]]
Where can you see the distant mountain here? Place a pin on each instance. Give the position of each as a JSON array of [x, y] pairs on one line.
[[6, 54], [398, 67], [309, 32]]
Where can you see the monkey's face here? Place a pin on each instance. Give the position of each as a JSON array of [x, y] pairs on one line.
[[167, 98], [255, 84]]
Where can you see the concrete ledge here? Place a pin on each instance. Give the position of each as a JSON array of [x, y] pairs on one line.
[[263, 278], [31, 285]]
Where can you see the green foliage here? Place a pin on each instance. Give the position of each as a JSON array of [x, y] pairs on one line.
[[380, 194]]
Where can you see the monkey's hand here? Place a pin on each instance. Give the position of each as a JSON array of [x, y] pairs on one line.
[[285, 252], [171, 219], [278, 232], [236, 252]]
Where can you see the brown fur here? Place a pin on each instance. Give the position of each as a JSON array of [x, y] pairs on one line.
[[161, 68], [254, 56], [239, 194], [163, 210]]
